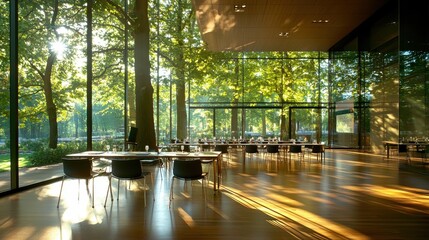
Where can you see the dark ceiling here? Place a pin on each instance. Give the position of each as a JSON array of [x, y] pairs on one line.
[[279, 25]]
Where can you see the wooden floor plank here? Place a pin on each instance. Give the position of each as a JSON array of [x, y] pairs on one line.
[[351, 195]]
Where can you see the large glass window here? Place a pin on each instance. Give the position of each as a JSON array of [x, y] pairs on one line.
[[4, 98], [365, 92], [51, 84], [249, 95], [108, 36]]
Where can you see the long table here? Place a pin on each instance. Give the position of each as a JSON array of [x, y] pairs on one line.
[[281, 144], [212, 155], [389, 144]]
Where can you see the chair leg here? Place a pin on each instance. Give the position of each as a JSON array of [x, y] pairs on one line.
[[109, 189], [93, 193], [61, 190], [204, 190], [78, 189], [153, 186], [144, 190], [117, 198]]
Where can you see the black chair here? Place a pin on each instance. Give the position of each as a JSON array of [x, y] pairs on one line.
[[188, 170], [80, 169], [127, 169], [251, 148], [319, 150], [132, 138], [403, 149], [296, 149], [223, 148], [424, 151], [272, 149]]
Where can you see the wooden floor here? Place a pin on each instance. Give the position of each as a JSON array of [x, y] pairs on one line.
[[349, 196]]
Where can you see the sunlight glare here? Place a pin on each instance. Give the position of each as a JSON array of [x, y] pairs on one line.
[[186, 217], [59, 48], [286, 216]]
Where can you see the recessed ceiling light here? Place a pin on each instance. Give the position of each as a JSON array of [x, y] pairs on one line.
[[283, 34], [239, 8], [320, 21]]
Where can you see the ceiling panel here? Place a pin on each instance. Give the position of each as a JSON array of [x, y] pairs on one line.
[[259, 26]]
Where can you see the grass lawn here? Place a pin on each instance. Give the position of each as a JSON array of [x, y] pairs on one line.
[[5, 161]]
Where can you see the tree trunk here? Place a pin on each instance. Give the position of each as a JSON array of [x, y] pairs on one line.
[[51, 109], [181, 107], [50, 105], [131, 100], [234, 114], [283, 128], [144, 89]]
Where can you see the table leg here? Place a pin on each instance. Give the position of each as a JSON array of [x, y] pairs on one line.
[[219, 170], [215, 174], [388, 150]]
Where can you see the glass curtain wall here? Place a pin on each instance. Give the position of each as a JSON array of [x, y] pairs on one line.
[[4, 98], [379, 79], [365, 84], [52, 80], [414, 70], [250, 96], [51, 84], [108, 36], [343, 92], [365, 92]]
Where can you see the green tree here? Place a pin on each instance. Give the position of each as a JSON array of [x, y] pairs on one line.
[[177, 38], [42, 79], [144, 89]]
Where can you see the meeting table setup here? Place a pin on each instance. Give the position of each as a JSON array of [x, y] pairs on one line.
[[252, 145], [163, 156], [409, 147]]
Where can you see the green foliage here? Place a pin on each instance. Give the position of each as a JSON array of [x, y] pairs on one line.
[[33, 145], [46, 156], [176, 49]]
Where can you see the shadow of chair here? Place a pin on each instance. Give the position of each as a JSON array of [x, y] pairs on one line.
[[296, 149], [127, 169], [80, 169], [188, 170], [132, 139]]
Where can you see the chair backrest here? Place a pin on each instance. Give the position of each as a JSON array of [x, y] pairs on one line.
[[77, 167], [402, 148], [187, 168], [427, 149], [126, 168], [295, 148], [317, 149], [272, 148], [132, 137], [251, 148], [222, 148]]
